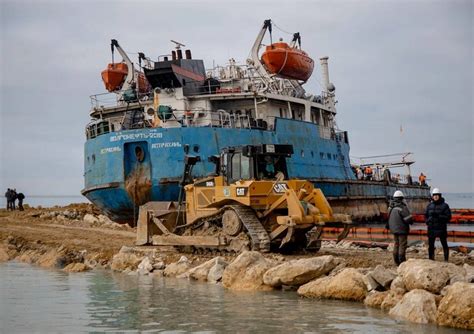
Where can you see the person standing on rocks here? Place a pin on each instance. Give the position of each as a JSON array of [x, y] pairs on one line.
[[437, 215], [8, 195], [399, 220], [20, 197]]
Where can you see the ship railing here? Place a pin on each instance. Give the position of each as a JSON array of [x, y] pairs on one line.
[[97, 128], [106, 100]]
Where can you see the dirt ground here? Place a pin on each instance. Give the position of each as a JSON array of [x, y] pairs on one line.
[[40, 227]]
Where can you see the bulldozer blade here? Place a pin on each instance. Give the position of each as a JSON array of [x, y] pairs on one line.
[[314, 238], [288, 237], [344, 233]]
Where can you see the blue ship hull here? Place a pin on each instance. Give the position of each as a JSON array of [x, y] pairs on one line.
[[118, 183]]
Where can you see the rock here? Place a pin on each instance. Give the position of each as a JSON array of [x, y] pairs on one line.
[[456, 309], [298, 272], [391, 300], [375, 299], [160, 265], [177, 268], [103, 219], [76, 267], [416, 306], [469, 273], [216, 272], [125, 260], [201, 272], [370, 282], [53, 259], [145, 267], [4, 254], [383, 276], [398, 286], [246, 272], [428, 275], [347, 285], [158, 273], [90, 219]]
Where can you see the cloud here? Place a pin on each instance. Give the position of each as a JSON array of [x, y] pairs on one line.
[[394, 63]]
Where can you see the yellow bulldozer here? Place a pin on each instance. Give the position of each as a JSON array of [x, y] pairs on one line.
[[249, 203]]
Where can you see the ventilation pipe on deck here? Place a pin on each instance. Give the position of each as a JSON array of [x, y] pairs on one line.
[[173, 55], [188, 54], [180, 54], [325, 73]]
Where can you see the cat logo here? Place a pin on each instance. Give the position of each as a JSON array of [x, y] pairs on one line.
[[280, 188], [241, 191]]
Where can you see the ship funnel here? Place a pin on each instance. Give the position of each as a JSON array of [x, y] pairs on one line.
[[325, 74]]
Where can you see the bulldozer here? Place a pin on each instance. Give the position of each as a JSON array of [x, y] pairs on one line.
[[248, 203]]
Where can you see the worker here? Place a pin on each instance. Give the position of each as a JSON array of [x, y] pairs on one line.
[[422, 179], [437, 215], [368, 173], [9, 199], [13, 198], [359, 173], [20, 197], [399, 220]]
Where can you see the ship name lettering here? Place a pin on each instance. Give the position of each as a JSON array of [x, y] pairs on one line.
[[110, 150], [166, 145], [132, 136]]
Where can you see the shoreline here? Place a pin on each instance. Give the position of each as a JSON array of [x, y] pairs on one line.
[[77, 238]]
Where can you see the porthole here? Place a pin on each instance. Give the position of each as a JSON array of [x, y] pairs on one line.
[[196, 148]]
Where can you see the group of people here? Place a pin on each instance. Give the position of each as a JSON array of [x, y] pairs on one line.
[[12, 196], [437, 216]]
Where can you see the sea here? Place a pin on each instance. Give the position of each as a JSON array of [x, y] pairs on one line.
[[34, 300]]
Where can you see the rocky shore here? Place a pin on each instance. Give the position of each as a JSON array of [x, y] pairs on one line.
[[77, 238]]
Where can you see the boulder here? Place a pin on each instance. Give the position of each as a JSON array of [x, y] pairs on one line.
[[76, 267], [53, 259], [391, 300], [216, 272], [246, 272], [201, 272], [90, 219], [349, 284], [160, 265], [416, 306], [375, 299], [456, 309], [145, 267], [469, 273], [124, 260], [383, 276], [398, 286], [177, 268], [3, 253], [370, 282], [298, 272], [428, 275]]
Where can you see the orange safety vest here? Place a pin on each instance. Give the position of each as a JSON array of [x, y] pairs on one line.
[[422, 178], [368, 170]]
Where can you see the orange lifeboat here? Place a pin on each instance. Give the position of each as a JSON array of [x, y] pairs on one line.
[[114, 75], [287, 62]]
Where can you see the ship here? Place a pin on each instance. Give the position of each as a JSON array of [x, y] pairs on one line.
[[154, 113]]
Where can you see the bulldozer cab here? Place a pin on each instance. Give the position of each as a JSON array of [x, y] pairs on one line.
[[254, 162]]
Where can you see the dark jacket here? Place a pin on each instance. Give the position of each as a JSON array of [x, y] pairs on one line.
[[20, 196], [399, 217], [437, 215]]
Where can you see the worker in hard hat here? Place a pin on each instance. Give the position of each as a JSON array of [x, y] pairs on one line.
[[399, 220], [438, 215], [422, 179]]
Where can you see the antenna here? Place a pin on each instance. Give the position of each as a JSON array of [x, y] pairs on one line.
[[178, 44]]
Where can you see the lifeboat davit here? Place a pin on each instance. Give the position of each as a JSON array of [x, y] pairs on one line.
[[287, 62], [114, 75]]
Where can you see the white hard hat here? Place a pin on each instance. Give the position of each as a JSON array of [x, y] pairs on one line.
[[436, 191], [398, 193]]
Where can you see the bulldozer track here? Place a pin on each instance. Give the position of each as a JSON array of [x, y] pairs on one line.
[[259, 237]]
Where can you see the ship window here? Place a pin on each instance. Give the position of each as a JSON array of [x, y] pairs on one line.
[[93, 158], [334, 156], [312, 154], [321, 154], [196, 148], [302, 153], [329, 156]]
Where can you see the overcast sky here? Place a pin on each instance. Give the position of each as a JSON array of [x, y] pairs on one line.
[[395, 64]]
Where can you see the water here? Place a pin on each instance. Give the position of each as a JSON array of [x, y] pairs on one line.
[[34, 299], [460, 200]]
